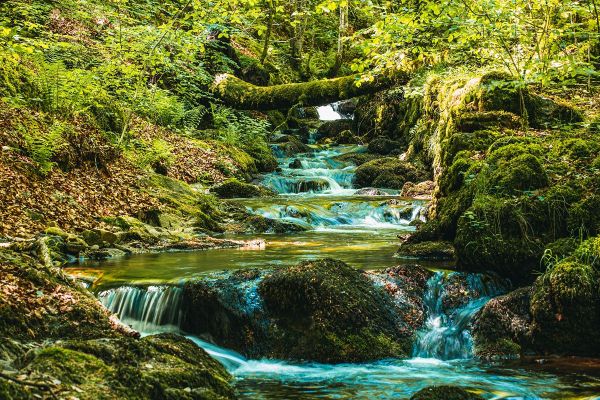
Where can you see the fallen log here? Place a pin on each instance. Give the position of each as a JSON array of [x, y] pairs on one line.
[[242, 95]]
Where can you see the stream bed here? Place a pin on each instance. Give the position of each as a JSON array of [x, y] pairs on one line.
[[362, 231]]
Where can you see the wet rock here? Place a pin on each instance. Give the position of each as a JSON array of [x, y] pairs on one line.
[[329, 312], [445, 393], [296, 164], [99, 237], [383, 146], [438, 251], [290, 145], [406, 284], [370, 192], [423, 190], [103, 254], [226, 308], [346, 107], [346, 137], [260, 224], [501, 328], [233, 188], [320, 311], [332, 129]]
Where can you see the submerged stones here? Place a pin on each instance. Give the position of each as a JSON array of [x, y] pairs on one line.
[[445, 393]]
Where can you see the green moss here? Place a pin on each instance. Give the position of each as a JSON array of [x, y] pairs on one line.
[[427, 250], [518, 174], [165, 366], [477, 141], [493, 234], [566, 309], [584, 218], [388, 173], [233, 188], [588, 252], [333, 314]]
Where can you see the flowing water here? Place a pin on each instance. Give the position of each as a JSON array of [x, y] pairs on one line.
[[362, 231]]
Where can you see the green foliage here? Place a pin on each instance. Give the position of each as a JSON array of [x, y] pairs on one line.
[[42, 146]]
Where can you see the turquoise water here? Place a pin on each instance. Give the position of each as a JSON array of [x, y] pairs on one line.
[[363, 232]]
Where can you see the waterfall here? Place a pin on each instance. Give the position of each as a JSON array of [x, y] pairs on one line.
[[146, 309], [446, 334]]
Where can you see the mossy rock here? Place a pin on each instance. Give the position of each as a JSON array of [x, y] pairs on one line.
[[438, 251], [501, 327], [290, 146], [517, 174], [332, 129], [233, 188], [389, 173], [329, 312], [491, 235], [470, 122], [476, 141], [445, 393], [566, 310], [164, 366], [583, 216], [499, 92], [357, 158], [383, 146], [260, 224], [41, 303]]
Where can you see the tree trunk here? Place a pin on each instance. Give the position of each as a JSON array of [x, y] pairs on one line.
[[242, 95], [270, 19]]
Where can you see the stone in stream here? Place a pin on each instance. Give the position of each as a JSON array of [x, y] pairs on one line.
[[296, 164], [369, 191], [323, 311], [445, 393]]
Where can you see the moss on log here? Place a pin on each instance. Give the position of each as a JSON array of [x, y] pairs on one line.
[[246, 96]]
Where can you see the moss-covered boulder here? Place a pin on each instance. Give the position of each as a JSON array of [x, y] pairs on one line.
[[332, 129], [501, 329], [383, 146], [438, 251], [491, 235], [389, 172], [260, 224], [233, 188], [289, 146], [566, 309], [445, 393], [322, 311], [327, 311], [165, 366]]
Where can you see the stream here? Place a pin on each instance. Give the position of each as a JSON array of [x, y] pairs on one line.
[[362, 231]]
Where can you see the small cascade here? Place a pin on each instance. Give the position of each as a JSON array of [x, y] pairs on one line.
[[319, 173], [330, 112], [446, 335], [146, 309], [342, 212]]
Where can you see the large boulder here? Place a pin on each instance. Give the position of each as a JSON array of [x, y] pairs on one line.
[[389, 172], [501, 329], [565, 307], [233, 188], [165, 366], [330, 312], [323, 311]]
